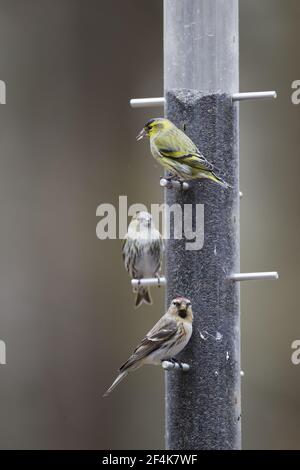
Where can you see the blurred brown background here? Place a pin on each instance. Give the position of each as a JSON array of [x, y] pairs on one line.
[[67, 144]]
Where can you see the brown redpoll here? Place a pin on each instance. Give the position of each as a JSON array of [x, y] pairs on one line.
[[166, 339]]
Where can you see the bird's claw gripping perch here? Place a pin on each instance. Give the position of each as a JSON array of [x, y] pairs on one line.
[[173, 364], [170, 182]]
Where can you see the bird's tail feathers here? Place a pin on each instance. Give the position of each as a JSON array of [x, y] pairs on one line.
[[219, 180], [120, 377], [143, 296]]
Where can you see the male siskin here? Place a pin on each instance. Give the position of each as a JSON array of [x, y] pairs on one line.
[[177, 153], [166, 339], [142, 253]]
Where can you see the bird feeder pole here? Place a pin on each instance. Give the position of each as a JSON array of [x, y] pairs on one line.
[[201, 83], [200, 76]]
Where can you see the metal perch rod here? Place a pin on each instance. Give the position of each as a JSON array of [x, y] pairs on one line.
[[155, 281], [176, 184], [272, 276], [167, 365], [160, 101], [254, 95], [254, 276], [147, 102]]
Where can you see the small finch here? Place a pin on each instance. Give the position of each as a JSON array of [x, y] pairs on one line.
[[177, 153], [142, 253], [166, 339]]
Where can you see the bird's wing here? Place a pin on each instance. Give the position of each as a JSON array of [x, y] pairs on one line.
[[156, 250], [129, 252], [124, 249], [160, 334], [176, 145], [163, 330]]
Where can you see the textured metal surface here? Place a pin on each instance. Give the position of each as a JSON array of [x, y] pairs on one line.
[[203, 405]]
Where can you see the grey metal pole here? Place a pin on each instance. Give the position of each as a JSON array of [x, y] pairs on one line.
[[201, 73]]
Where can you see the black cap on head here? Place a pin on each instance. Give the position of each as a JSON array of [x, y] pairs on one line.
[[148, 123]]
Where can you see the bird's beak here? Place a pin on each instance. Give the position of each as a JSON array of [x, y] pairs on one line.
[[182, 311], [141, 135]]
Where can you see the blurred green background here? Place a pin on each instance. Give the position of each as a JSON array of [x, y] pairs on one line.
[[67, 144]]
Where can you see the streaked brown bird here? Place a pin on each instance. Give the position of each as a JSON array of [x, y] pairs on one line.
[[166, 339], [142, 253]]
